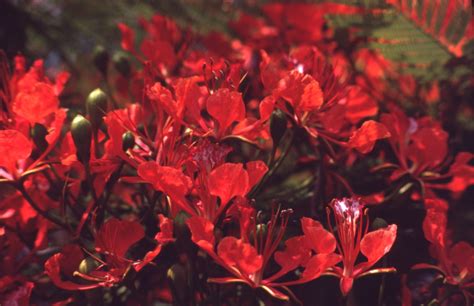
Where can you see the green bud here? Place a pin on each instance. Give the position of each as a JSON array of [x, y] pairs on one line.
[[277, 126], [101, 59], [379, 223], [87, 265], [81, 130], [122, 64], [128, 140], [38, 134], [96, 105], [178, 280]]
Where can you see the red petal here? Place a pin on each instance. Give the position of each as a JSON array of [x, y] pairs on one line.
[[164, 236], [317, 238], [13, 147], [226, 107], [255, 170], [435, 222], [359, 105], [312, 97], [301, 91], [202, 233], [227, 181], [71, 257], [61, 80], [376, 244], [117, 236], [236, 253], [169, 180], [365, 137], [462, 255], [462, 172], [294, 255], [128, 37], [36, 103], [163, 97], [188, 95], [429, 146], [166, 229], [317, 265], [266, 107]]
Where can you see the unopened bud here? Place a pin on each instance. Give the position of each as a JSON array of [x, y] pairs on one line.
[[122, 64], [277, 126], [178, 280], [379, 223], [101, 59], [38, 134], [96, 105], [128, 141], [87, 265], [81, 130]]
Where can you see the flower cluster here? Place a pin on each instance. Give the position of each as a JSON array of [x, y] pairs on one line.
[[213, 160]]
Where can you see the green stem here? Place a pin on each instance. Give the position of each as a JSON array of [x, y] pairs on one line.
[[275, 166]]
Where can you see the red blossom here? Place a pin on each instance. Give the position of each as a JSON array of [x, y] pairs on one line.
[[350, 218]]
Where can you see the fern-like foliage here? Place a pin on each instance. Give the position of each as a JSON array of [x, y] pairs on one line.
[[450, 22]]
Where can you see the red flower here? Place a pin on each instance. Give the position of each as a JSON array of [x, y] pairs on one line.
[[422, 152], [247, 257], [226, 182], [350, 220], [323, 105], [455, 260], [113, 240], [225, 108]]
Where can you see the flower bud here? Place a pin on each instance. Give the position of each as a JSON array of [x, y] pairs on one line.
[[128, 141], [81, 130], [96, 105], [87, 265], [379, 223], [38, 134], [101, 59], [122, 64], [178, 280], [277, 126]]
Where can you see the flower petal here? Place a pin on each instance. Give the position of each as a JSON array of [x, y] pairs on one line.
[[365, 137], [255, 170], [36, 102], [236, 253], [317, 238], [128, 37], [226, 107], [376, 244], [173, 182], [164, 236], [227, 181], [116, 236], [13, 146], [202, 233]]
